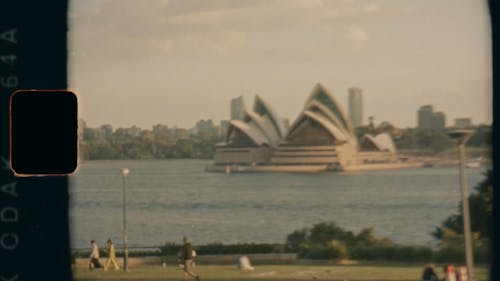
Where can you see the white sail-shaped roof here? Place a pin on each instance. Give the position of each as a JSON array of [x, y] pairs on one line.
[[331, 128], [250, 129], [320, 118], [261, 125], [264, 124], [321, 94], [323, 108], [316, 106], [385, 141], [382, 142], [264, 109]]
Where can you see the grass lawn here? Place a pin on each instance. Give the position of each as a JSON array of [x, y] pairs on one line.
[[269, 272]]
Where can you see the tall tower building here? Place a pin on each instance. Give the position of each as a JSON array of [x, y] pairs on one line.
[[438, 121], [356, 106], [430, 120], [237, 107], [424, 114]]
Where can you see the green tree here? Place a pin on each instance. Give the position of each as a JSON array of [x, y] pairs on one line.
[[481, 137], [324, 232], [295, 239], [101, 150], [481, 206], [183, 148], [337, 250], [326, 240]]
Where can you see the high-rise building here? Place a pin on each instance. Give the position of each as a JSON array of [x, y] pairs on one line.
[[438, 121], [356, 106], [462, 123], [237, 108], [206, 129], [430, 120], [425, 113]]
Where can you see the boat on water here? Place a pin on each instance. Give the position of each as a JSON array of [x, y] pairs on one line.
[[474, 164]]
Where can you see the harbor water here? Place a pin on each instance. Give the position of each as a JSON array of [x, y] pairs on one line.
[[170, 198]]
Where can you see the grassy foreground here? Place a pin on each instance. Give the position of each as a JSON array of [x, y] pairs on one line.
[[270, 272]]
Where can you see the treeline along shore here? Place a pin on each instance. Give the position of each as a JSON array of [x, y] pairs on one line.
[[163, 142]]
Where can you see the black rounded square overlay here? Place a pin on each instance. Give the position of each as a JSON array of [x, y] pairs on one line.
[[43, 132]]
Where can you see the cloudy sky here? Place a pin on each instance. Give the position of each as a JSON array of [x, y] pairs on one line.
[[174, 62]]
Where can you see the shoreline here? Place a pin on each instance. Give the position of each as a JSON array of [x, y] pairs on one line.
[[311, 168]]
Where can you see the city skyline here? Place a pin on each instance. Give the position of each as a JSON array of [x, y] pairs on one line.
[[174, 62], [455, 123]]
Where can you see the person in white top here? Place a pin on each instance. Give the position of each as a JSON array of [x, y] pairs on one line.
[[94, 256]]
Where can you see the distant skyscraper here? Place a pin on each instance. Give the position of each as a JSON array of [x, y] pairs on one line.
[[438, 121], [206, 129], [425, 117], [356, 106], [430, 120], [237, 107], [462, 123]]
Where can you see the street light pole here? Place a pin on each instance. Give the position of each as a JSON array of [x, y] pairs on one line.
[[462, 136], [125, 173]]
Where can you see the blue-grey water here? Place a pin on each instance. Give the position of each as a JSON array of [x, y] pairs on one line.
[[169, 198]]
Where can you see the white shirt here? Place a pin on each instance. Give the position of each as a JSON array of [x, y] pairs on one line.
[[95, 251]]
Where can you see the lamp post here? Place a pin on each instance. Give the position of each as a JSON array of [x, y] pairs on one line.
[[461, 137], [125, 172]]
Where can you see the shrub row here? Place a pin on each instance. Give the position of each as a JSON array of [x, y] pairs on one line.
[[392, 253], [397, 253], [221, 249]]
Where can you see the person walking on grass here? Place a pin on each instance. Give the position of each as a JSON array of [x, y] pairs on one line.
[[111, 256], [186, 258], [94, 256], [429, 274]]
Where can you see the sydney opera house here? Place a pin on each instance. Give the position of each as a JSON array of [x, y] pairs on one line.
[[320, 139]]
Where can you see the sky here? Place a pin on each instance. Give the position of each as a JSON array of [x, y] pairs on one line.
[[174, 62]]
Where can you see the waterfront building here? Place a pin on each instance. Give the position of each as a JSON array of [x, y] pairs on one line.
[[356, 106], [321, 136], [252, 139], [237, 108]]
